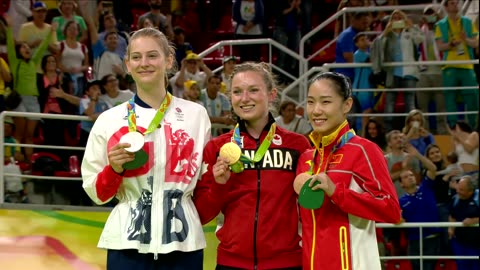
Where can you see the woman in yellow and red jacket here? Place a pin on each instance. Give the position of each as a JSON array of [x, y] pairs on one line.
[[353, 173]]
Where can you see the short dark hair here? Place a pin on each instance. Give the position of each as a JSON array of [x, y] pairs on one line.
[[358, 36], [360, 15], [216, 76]]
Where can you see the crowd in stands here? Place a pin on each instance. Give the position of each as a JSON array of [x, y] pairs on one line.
[[68, 59]]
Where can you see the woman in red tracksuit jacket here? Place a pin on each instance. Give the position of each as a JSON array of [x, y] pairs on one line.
[[261, 229], [353, 173]]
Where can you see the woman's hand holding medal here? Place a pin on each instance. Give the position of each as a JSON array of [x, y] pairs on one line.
[[323, 182], [117, 156], [228, 157]]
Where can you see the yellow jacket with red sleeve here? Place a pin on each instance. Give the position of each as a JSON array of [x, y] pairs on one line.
[[341, 234]]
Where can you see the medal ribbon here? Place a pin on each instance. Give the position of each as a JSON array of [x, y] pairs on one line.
[[132, 117], [261, 150], [340, 142]]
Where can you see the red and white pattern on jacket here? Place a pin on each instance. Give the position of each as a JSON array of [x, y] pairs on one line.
[[341, 234]]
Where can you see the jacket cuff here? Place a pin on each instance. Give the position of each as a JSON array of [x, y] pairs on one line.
[[338, 195], [108, 182]]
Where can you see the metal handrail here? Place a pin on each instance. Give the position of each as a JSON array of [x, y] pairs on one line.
[[301, 81]]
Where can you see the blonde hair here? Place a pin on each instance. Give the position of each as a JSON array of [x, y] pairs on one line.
[[408, 119], [261, 68], [162, 41]]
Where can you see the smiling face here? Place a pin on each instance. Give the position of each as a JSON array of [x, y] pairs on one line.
[[250, 96], [434, 154], [147, 61], [326, 108]]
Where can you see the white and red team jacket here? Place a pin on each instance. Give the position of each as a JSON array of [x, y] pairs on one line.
[[341, 234], [155, 213]]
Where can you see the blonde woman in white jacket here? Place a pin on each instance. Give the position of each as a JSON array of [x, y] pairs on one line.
[[147, 152]]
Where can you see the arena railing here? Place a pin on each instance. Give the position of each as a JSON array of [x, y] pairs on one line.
[[301, 87], [260, 41], [5, 205], [343, 14]]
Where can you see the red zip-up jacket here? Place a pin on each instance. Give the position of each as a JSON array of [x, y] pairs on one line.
[[259, 204], [341, 234]]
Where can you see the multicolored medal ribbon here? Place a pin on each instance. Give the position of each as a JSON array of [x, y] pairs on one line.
[[235, 156], [135, 138], [313, 199]]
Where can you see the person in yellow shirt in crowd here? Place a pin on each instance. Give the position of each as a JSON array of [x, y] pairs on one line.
[[457, 37]]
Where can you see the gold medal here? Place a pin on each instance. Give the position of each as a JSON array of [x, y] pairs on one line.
[[231, 151]]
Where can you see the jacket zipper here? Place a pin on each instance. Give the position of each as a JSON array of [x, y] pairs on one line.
[[255, 259]]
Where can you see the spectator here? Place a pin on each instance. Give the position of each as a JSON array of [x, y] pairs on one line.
[[110, 26], [91, 106], [349, 4], [457, 37], [249, 16], [73, 58], [190, 70], [415, 131], [182, 48], [34, 32], [361, 81], [431, 76], [466, 145], [345, 44], [289, 120], [397, 159], [113, 95], [229, 63], [14, 152], [374, 132], [54, 97], [23, 65], [442, 191], [418, 205], [105, 59], [67, 10], [159, 20], [465, 208], [5, 77], [217, 104], [287, 32], [401, 39], [192, 92], [19, 11]]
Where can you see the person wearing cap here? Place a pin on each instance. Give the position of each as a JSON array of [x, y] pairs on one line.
[[192, 92], [37, 30], [457, 37], [182, 48], [229, 63], [67, 10], [431, 76], [191, 68]]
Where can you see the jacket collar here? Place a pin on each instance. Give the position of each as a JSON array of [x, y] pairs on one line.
[[271, 120], [330, 139]]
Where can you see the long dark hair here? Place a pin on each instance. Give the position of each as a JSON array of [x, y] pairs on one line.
[[381, 139]]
